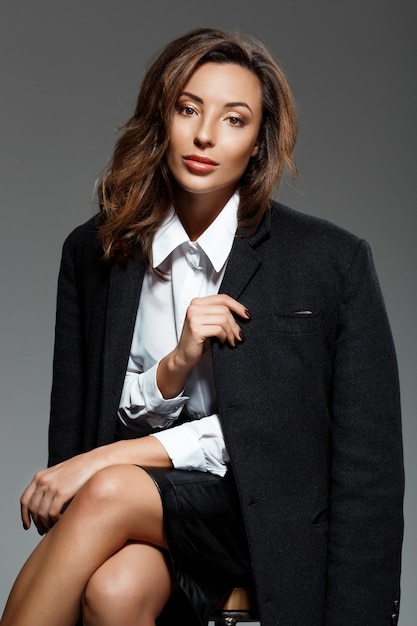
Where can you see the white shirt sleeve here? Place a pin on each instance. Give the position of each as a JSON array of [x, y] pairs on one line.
[[197, 445], [141, 396]]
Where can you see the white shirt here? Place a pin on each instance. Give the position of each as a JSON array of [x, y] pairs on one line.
[[193, 269]]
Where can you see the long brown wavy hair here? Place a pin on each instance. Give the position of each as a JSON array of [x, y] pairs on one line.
[[136, 189]]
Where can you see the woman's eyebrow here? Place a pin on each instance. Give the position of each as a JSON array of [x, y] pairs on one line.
[[227, 105], [192, 96], [231, 105]]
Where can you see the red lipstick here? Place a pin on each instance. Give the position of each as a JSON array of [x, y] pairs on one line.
[[200, 164]]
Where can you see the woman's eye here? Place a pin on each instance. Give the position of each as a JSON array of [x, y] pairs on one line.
[[185, 110], [235, 121]]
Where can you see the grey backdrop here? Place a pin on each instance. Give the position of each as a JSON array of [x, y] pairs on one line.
[[69, 76]]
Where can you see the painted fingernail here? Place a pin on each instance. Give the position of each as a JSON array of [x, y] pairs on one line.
[[248, 313], [242, 336]]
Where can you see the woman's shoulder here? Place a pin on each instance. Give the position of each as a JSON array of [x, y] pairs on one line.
[[311, 232], [83, 241], [87, 231], [289, 218], [316, 246], [82, 246]]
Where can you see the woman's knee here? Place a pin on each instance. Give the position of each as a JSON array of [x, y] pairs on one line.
[[106, 596], [109, 489], [125, 498], [106, 485], [130, 588]]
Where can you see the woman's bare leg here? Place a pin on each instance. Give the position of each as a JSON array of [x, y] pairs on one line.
[[129, 589], [118, 504]]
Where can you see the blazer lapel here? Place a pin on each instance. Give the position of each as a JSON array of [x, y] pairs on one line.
[[244, 261], [124, 292]]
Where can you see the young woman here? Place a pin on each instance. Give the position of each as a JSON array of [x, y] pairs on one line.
[[225, 398]]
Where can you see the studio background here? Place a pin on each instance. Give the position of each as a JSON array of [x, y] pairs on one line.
[[70, 72]]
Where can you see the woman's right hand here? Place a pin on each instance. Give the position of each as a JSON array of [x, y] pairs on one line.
[[210, 316]]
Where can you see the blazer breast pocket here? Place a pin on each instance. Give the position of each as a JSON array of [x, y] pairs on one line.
[[298, 322]]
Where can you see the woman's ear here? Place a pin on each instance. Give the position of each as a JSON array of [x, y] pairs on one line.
[[254, 150]]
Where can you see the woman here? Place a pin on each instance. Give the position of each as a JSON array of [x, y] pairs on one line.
[[225, 395]]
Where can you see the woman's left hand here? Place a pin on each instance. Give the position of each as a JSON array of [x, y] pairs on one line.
[[51, 488]]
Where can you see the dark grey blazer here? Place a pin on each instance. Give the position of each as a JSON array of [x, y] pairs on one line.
[[309, 406]]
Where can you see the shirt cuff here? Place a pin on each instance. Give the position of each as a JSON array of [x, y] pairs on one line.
[[196, 445], [154, 400]]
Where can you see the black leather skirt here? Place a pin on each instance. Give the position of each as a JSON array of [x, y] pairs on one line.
[[205, 533]]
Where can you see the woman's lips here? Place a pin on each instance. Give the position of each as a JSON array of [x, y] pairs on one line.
[[200, 164]]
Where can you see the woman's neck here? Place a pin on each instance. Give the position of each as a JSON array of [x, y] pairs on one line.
[[198, 211]]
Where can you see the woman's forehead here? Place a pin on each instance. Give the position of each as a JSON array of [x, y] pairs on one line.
[[224, 82]]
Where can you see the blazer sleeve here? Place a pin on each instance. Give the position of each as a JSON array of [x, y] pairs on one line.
[[67, 394], [367, 482]]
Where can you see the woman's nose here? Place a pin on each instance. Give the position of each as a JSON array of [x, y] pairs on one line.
[[205, 134]]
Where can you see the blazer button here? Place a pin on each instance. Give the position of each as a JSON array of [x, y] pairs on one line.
[[394, 616]]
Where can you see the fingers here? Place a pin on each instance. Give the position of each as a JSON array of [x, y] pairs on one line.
[[213, 316], [223, 300], [41, 502], [207, 317], [50, 489], [213, 322], [24, 507]]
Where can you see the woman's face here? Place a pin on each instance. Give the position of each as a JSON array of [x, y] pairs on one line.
[[215, 129]]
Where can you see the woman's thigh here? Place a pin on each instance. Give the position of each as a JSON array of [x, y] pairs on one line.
[[131, 587], [122, 503]]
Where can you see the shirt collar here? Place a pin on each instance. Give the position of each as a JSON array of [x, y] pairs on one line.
[[216, 241]]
